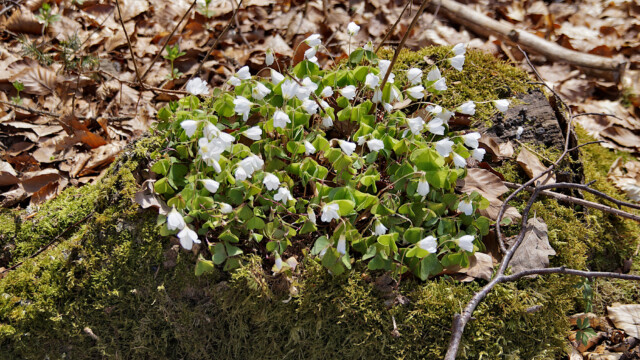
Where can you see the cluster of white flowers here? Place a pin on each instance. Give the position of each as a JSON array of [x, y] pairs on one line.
[[303, 94]]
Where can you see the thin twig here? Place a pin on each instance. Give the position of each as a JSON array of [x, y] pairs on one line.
[[55, 239], [564, 270], [404, 39], [133, 58], [574, 200], [393, 27], [224, 31], [56, 116], [167, 41]]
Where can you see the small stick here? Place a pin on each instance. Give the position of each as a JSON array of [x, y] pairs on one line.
[[574, 200], [224, 31], [393, 27], [564, 270], [135, 64], [168, 39], [56, 116], [404, 39]]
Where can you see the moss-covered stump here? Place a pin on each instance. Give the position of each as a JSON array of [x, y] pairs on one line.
[[109, 286]]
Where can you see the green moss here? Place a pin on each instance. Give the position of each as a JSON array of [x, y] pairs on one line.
[[483, 78]]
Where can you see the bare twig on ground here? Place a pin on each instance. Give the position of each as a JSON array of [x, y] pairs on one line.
[[144, 75], [574, 200], [486, 26], [393, 27], [133, 57], [206, 56], [56, 116], [403, 41]]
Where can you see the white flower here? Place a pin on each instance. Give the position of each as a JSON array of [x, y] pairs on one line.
[[190, 127], [187, 238], [387, 107], [242, 107], [278, 262], [330, 212], [459, 161], [240, 174], [440, 85], [414, 75], [502, 104], [519, 132], [283, 195], [375, 145], [342, 245], [383, 65], [268, 58], [380, 229], [416, 125], [259, 91], [466, 207], [309, 149], [435, 126], [216, 166], [326, 92], [276, 77], [313, 40], [348, 91], [416, 92], [478, 153], [465, 243], [289, 89], [254, 133], [310, 106], [327, 122], [280, 119], [310, 53], [347, 147], [314, 60], [471, 139], [429, 244], [271, 181], [243, 73], [444, 147], [234, 81], [459, 49], [250, 164], [197, 86], [439, 112], [371, 81], [308, 84], [352, 29], [468, 108], [423, 187], [211, 185], [394, 94], [368, 46], [434, 74], [377, 96], [225, 208], [175, 221], [457, 62], [312, 216]]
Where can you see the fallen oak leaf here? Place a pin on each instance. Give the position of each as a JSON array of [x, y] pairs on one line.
[[533, 167], [534, 251], [626, 317], [8, 175]]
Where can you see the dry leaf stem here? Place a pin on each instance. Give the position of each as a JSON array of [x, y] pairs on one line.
[[133, 57], [56, 116]]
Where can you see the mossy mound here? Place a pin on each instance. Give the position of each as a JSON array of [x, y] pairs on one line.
[[102, 291]]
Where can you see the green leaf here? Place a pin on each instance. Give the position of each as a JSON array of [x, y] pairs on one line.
[[331, 260], [308, 227], [232, 250], [227, 235], [427, 159], [161, 167], [162, 187], [204, 266], [413, 235], [321, 243], [429, 266], [219, 254], [176, 175], [356, 57], [346, 206], [255, 223]]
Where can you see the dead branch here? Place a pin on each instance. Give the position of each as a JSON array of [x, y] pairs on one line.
[[206, 56], [144, 75], [486, 26], [56, 116], [393, 27], [574, 200], [404, 39], [133, 57], [564, 270]]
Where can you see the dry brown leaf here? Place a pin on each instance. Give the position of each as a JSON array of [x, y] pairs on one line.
[[480, 267], [101, 156], [12, 197], [147, 198], [626, 317], [492, 211], [36, 180], [533, 167], [49, 191], [22, 21], [534, 251], [8, 175], [133, 8], [626, 177], [487, 184], [498, 150], [37, 80]]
